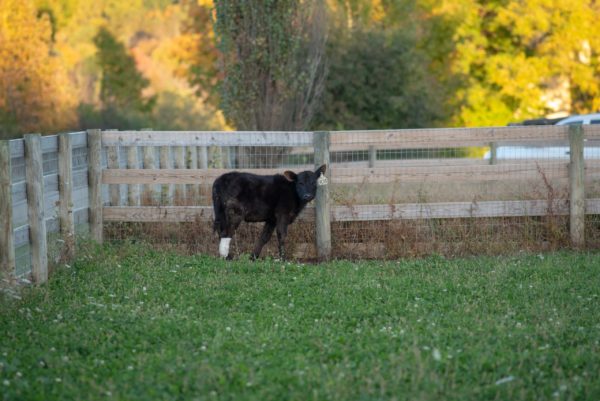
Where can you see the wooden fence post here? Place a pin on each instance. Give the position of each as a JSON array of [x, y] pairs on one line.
[[493, 153], [7, 239], [95, 182], [322, 211], [65, 193], [372, 156], [576, 185], [35, 207]]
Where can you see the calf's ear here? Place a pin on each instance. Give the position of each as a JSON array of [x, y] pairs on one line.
[[321, 170], [290, 176]]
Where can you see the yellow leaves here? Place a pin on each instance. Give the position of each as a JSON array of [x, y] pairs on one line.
[[484, 108], [524, 58], [377, 12]]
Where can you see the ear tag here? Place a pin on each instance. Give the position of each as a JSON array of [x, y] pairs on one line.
[[322, 180]]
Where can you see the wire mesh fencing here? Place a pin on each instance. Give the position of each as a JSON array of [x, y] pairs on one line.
[[393, 193], [451, 192]]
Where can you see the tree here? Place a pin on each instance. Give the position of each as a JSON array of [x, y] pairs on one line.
[[272, 60], [121, 84], [121, 87], [379, 74], [377, 80], [198, 50], [35, 93], [522, 59]]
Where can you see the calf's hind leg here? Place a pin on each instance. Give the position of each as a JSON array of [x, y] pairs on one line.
[[234, 220]]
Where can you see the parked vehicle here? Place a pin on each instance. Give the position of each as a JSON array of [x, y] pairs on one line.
[[548, 152], [583, 119]]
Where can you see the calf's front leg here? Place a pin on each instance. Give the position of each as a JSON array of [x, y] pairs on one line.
[[282, 227], [265, 236]]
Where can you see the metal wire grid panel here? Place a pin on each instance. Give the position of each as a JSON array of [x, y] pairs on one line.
[[205, 163], [49, 149], [393, 193], [451, 191]]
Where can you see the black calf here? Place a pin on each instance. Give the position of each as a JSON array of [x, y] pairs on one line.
[[275, 199]]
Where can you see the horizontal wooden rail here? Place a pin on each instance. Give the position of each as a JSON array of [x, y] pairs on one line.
[[206, 138], [446, 210], [171, 214], [459, 173], [171, 176], [446, 137], [452, 172], [454, 137], [352, 140], [410, 211]]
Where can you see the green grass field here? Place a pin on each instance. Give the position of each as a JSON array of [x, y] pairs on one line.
[[132, 323]]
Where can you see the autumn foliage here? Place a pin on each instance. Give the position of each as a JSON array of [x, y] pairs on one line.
[[35, 91], [194, 64]]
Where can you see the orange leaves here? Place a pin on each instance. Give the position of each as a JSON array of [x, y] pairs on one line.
[[34, 89]]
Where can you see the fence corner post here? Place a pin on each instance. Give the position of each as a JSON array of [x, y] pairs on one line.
[[7, 242], [576, 186], [322, 209], [95, 182]]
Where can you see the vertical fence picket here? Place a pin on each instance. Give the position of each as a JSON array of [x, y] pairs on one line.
[[65, 188], [179, 156], [166, 163], [192, 159], [203, 157], [95, 182], [114, 190], [35, 207], [133, 190], [149, 196], [7, 241]]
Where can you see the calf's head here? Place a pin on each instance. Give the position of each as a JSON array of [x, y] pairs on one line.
[[306, 182]]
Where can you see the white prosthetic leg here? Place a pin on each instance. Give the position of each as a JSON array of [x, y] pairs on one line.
[[224, 247]]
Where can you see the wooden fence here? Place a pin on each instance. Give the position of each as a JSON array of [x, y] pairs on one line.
[[54, 184]]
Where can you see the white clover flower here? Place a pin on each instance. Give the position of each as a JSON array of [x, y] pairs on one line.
[[506, 379]]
